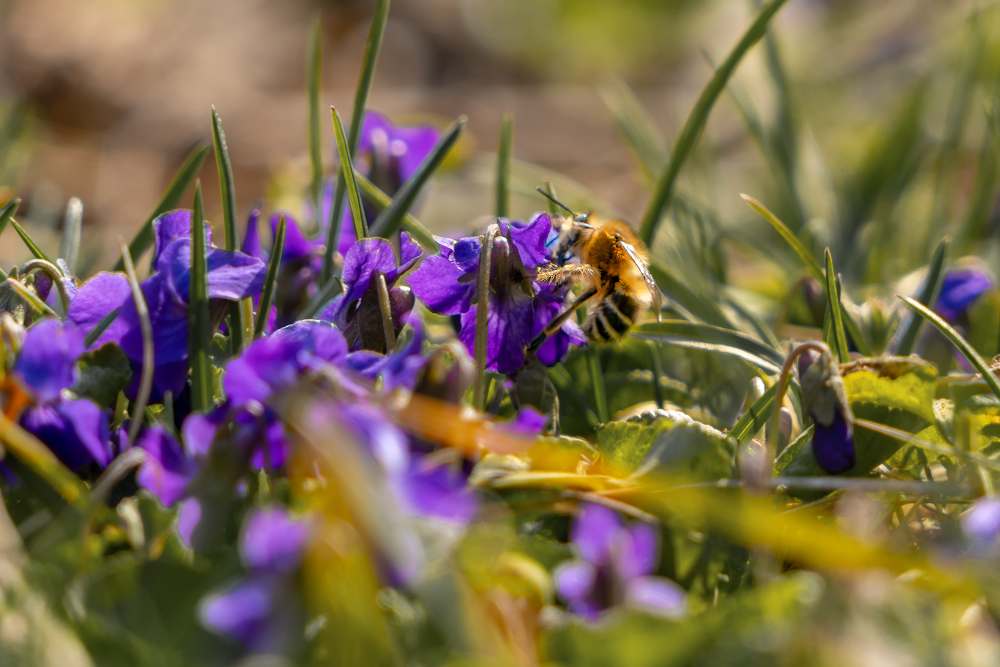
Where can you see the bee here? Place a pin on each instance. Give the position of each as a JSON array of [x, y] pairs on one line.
[[611, 268]]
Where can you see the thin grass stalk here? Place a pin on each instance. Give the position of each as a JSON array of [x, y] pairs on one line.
[[101, 326], [148, 360], [171, 198], [29, 242], [962, 345], [373, 47], [411, 225], [314, 75], [227, 192], [347, 169], [929, 291], [69, 251], [389, 220], [597, 378], [199, 331], [271, 279], [663, 194], [505, 151], [839, 339]]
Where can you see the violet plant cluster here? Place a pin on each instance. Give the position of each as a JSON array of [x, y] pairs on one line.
[[391, 465]]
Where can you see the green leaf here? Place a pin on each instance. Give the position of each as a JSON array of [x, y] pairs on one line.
[[389, 220], [144, 237], [271, 278], [227, 191], [640, 132], [624, 444], [376, 33], [72, 227], [792, 451], [103, 372], [690, 450], [956, 339], [347, 169], [663, 194], [199, 327], [714, 339], [505, 151], [29, 242], [411, 225], [837, 340], [314, 83], [928, 295], [755, 418]]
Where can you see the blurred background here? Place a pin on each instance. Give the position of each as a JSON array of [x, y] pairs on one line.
[[104, 99]]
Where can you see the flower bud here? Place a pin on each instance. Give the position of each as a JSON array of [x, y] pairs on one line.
[[825, 400]]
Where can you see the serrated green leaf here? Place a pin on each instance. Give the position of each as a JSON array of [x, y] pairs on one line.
[[690, 450], [144, 237], [103, 372]]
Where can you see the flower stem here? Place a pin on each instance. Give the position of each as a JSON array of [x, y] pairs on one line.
[[385, 304], [146, 378], [482, 315]]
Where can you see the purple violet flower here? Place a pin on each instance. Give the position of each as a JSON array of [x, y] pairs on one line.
[[231, 276], [519, 307], [75, 430], [259, 611], [268, 365], [615, 565], [959, 290], [166, 469], [400, 369], [357, 312]]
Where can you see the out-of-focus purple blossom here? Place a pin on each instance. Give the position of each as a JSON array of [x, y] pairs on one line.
[[75, 430], [519, 307], [959, 290], [528, 423], [268, 365], [357, 312], [260, 610], [166, 469], [231, 276], [982, 525], [615, 566]]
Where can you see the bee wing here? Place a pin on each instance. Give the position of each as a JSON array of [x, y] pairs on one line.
[[654, 291]]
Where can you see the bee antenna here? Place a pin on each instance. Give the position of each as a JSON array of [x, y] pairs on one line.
[[556, 201]]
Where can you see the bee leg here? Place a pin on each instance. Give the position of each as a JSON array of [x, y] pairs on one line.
[[559, 320]]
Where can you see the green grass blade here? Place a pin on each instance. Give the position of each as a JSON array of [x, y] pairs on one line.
[[99, 328], [838, 341], [975, 220], [704, 336], [907, 337], [29, 242], [373, 47], [347, 169], [270, 279], [199, 333], [227, 191], [640, 133], [6, 213], [314, 76], [69, 251], [789, 237], [389, 220], [662, 195], [144, 237], [505, 153], [956, 339], [755, 418], [411, 225]]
